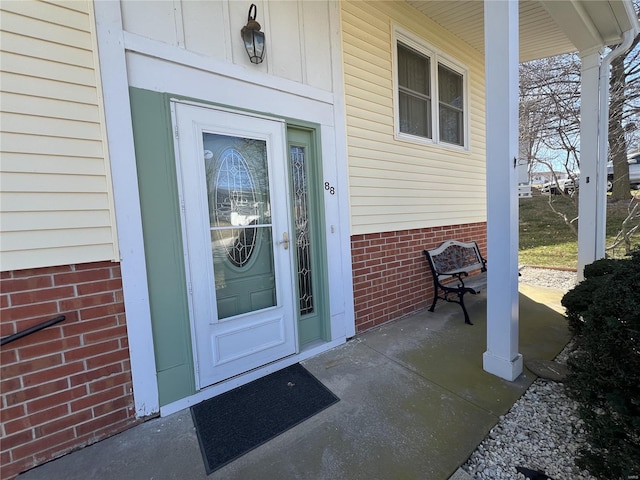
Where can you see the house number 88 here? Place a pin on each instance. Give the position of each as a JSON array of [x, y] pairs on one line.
[[329, 188]]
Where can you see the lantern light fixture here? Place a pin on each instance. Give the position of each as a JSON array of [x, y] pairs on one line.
[[252, 37]]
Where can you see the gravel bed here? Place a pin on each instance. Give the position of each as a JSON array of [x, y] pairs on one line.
[[560, 279], [542, 431]]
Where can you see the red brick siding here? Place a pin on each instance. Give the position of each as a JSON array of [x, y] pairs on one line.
[[68, 385], [391, 277]]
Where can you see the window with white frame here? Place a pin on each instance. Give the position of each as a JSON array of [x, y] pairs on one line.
[[431, 95]]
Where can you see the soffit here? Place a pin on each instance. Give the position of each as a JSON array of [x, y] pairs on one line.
[[547, 27]]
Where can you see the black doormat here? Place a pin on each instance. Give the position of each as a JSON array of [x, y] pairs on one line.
[[231, 424]]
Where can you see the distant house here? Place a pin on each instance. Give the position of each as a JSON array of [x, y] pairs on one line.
[[201, 220]]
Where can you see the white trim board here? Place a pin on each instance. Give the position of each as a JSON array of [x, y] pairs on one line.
[[158, 50], [150, 74], [127, 202]]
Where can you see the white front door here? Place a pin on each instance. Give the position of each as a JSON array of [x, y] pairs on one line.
[[235, 214]]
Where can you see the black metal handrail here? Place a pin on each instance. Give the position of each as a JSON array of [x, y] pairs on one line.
[[30, 330]]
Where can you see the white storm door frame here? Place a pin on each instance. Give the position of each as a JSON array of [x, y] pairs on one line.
[[191, 121]]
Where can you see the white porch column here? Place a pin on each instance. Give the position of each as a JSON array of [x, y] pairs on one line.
[[501, 76], [592, 201]]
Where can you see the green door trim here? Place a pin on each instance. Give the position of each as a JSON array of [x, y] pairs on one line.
[[162, 236]]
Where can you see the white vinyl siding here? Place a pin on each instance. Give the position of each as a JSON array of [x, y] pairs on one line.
[[56, 200], [397, 184]]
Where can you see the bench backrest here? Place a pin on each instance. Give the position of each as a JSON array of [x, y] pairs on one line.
[[454, 257]]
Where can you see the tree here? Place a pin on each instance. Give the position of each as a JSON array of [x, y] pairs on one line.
[[550, 121], [623, 116], [550, 111]]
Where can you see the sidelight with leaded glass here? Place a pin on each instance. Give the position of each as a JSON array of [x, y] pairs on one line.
[[302, 230]]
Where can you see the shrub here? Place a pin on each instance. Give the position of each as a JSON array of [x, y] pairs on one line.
[[603, 312]]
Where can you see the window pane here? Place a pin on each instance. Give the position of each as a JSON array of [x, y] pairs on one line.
[[450, 87], [415, 115], [450, 125], [414, 92], [413, 70], [451, 99], [240, 223]]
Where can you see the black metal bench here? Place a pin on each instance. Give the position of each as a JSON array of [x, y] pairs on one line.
[[451, 263]]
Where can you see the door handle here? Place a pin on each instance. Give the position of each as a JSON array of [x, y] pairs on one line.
[[285, 241]]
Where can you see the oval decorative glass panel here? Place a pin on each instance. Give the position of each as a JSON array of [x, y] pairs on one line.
[[236, 206]]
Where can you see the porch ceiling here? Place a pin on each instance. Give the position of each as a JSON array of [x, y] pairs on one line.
[[547, 27]]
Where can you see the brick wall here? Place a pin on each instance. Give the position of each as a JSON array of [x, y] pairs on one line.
[[69, 385], [391, 276]]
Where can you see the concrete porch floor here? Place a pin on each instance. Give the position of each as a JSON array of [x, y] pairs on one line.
[[414, 404]]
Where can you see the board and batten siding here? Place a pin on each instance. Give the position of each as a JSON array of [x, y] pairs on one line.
[[56, 198], [397, 184], [297, 33]]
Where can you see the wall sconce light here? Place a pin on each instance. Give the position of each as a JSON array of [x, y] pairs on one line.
[[252, 36]]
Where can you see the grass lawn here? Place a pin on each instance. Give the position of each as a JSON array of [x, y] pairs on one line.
[[545, 239]]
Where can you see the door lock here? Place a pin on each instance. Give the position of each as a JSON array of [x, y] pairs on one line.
[[285, 240]]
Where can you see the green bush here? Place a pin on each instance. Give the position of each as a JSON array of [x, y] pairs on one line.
[[604, 368]]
